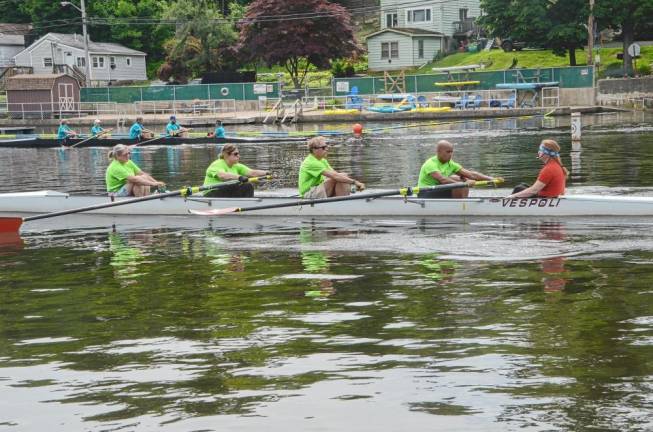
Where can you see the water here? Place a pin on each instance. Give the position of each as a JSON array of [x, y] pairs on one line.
[[483, 324]]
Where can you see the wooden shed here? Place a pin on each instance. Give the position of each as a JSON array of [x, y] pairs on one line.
[[42, 95]]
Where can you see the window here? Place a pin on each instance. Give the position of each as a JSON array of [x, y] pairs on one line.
[[462, 14], [394, 49], [112, 61], [47, 61], [81, 62], [389, 50], [417, 16], [420, 48], [129, 61], [391, 20], [98, 62]]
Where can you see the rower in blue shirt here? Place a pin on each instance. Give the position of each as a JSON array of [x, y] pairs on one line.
[[174, 130], [138, 132], [65, 132], [219, 131], [98, 131]]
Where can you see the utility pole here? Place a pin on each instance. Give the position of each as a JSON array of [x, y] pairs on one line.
[[85, 36], [85, 33], [590, 36]]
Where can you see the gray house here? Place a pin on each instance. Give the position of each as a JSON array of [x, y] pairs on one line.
[[12, 41], [413, 33], [109, 62]]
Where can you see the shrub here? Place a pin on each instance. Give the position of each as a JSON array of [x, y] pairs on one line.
[[644, 69]]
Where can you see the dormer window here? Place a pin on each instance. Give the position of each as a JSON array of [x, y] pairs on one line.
[[418, 16]]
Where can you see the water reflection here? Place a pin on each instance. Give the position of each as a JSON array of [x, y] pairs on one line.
[[553, 267], [127, 255], [315, 262]]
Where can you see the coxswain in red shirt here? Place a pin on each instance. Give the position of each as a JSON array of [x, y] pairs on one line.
[[552, 178]]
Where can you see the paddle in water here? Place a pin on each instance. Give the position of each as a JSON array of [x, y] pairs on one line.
[[13, 224], [405, 192]]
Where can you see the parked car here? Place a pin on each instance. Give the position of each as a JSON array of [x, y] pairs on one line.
[[509, 44]]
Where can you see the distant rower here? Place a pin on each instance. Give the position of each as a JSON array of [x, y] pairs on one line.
[[441, 169], [228, 167], [64, 132], [219, 131], [97, 130], [174, 130], [137, 131], [552, 179]]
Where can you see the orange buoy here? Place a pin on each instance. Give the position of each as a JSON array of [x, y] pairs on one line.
[[358, 129]]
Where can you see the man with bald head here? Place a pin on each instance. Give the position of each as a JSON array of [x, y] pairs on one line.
[[441, 169]]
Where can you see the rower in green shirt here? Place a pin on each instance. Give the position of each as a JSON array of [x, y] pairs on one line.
[[441, 169], [228, 167], [316, 177], [124, 178]]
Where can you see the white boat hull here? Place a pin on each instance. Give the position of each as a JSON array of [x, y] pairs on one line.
[[577, 205]]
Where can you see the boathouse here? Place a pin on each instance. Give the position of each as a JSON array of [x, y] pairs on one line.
[[42, 95]]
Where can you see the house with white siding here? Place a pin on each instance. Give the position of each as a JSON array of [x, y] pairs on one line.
[[12, 41], [109, 62], [413, 33]]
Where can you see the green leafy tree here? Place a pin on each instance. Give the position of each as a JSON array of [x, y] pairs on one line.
[[130, 23], [296, 34], [555, 24], [203, 39], [630, 16]]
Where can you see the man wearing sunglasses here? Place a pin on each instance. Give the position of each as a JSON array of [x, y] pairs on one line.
[[316, 177]]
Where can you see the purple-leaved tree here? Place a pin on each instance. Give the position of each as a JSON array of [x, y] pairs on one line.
[[296, 34]]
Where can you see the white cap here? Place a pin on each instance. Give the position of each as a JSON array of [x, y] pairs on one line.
[[97, 121]]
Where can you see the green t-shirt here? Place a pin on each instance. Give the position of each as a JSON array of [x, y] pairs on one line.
[[220, 166], [432, 165], [117, 173], [310, 173]]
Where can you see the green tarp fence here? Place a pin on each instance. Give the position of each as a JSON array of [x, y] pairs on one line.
[[568, 77], [237, 91]]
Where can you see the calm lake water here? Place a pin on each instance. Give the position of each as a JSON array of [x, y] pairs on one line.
[[199, 324]]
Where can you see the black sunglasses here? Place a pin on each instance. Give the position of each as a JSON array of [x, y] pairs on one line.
[[234, 153], [322, 147]]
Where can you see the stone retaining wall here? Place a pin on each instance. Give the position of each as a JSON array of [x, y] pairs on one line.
[[636, 92]]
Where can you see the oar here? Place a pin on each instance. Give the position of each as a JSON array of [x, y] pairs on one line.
[[12, 224], [149, 140], [303, 202], [91, 137]]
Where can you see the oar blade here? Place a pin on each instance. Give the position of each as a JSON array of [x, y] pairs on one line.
[[10, 224], [215, 212]]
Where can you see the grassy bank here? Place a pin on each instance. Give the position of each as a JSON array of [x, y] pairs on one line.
[[499, 60]]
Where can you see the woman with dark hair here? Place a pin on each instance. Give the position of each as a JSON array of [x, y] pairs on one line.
[[551, 181], [228, 167]]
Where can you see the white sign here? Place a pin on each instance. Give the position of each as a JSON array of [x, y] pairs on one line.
[[342, 86], [634, 49], [576, 126], [270, 88], [260, 89]]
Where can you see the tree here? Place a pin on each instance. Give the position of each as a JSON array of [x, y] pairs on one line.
[[555, 24], [630, 15], [296, 34], [203, 39]]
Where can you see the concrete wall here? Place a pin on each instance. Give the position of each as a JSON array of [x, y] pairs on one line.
[[577, 97], [624, 90]]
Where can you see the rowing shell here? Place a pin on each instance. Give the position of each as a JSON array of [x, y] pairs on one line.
[[576, 205], [36, 142]]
